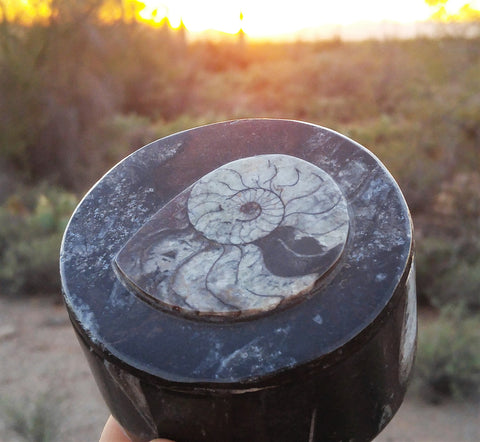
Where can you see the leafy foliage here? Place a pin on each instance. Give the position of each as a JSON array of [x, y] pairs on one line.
[[448, 361], [36, 421], [31, 228]]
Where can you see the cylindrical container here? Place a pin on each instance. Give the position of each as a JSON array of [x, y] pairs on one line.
[[250, 280]]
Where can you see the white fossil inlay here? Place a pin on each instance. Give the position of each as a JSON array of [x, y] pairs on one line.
[[245, 238]]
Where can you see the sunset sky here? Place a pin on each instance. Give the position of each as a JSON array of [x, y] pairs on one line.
[[264, 18], [260, 18]]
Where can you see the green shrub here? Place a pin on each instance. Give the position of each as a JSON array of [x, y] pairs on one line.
[[435, 256], [460, 283], [35, 421], [164, 128], [448, 358], [448, 272], [31, 229], [118, 137]]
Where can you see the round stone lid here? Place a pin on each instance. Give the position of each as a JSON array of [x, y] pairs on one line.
[[233, 252]]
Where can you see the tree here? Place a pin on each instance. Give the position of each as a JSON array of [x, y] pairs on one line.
[[55, 87], [442, 12]]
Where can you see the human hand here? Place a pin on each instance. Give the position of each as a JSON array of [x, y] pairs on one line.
[[113, 432]]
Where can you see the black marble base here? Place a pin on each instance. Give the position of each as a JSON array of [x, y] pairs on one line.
[[351, 400]]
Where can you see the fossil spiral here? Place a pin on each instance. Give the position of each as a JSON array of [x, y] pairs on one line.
[[246, 238]]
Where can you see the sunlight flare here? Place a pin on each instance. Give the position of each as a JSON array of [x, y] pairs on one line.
[[272, 18]]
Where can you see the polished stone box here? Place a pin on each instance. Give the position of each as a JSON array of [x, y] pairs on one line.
[[250, 280]]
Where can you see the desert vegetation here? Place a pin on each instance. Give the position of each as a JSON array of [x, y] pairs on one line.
[[78, 93]]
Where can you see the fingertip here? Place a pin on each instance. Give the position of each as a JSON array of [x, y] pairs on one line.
[[113, 432]]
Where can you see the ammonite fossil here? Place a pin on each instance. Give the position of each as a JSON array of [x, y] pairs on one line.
[[246, 238]]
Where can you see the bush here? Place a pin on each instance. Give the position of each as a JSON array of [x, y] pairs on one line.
[[35, 421], [434, 256], [449, 254], [448, 360], [459, 283], [31, 229], [448, 272], [118, 137]]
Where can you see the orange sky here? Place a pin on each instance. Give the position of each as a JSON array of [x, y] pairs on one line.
[[261, 18]]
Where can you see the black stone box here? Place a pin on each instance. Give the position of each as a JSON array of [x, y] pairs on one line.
[[328, 361]]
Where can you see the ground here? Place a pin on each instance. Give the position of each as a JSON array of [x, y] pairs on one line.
[[40, 360]]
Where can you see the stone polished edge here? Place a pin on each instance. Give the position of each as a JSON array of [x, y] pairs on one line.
[[249, 237]]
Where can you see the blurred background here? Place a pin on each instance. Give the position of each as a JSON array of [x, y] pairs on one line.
[[83, 83]]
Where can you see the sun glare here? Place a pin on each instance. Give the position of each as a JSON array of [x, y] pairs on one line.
[[454, 6], [269, 18]]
